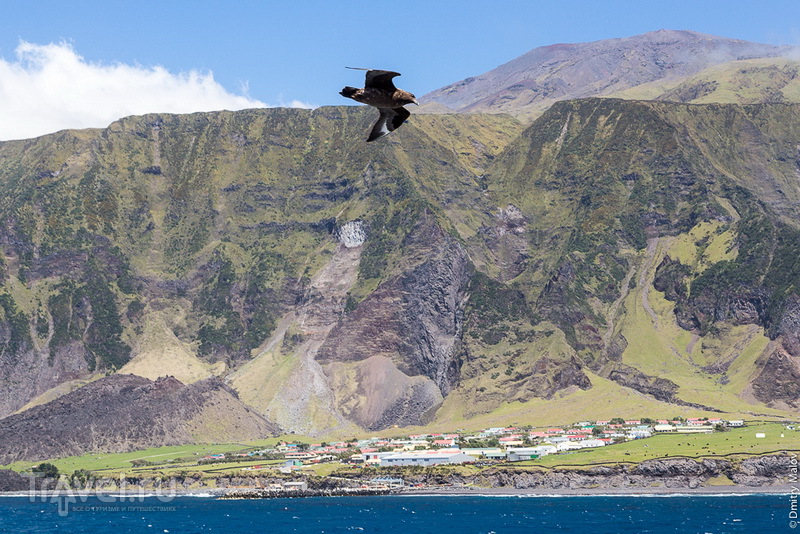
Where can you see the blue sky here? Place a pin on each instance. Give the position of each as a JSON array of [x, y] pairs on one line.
[[114, 58]]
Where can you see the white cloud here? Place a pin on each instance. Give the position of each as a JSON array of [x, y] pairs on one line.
[[50, 88], [298, 104]]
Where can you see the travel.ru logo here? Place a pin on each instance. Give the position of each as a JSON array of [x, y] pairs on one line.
[[102, 494]]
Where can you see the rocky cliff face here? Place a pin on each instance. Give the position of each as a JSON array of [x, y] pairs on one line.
[[189, 224], [337, 284], [650, 475], [410, 328]]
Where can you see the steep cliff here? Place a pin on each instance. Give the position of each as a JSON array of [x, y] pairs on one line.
[[464, 267], [613, 191], [409, 328], [176, 245]]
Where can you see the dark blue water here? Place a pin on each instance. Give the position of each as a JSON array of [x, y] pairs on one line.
[[417, 514]]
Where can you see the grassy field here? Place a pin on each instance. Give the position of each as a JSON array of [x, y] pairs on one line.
[[162, 456], [735, 441]]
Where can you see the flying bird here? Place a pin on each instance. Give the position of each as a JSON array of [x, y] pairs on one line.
[[379, 91]]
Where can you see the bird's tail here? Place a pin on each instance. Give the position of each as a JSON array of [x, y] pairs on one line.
[[348, 92]]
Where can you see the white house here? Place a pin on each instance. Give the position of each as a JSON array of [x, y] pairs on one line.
[[433, 457], [697, 429], [517, 454], [568, 446], [591, 443]]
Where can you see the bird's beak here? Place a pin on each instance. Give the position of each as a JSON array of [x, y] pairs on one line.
[[416, 103]]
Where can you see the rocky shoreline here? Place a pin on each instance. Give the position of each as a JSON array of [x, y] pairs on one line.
[[293, 494], [760, 474], [227, 494]]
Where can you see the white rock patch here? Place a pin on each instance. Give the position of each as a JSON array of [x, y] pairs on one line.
[[352, 234]]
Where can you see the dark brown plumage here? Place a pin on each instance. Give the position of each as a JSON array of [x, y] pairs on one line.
[[379, 91]]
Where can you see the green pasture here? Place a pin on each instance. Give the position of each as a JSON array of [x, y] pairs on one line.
[[734, 442], [160, 456]]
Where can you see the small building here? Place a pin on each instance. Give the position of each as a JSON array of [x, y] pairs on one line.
[[425, 458], [295, 486], [511, 441], [490, 453], [591, 443], [736, 423], [387, 482], [375, 458], [577, 431], [696, 421], [664, 427], [410, 444], [518, 454], [568, 446], [696, 429], [299, 455]]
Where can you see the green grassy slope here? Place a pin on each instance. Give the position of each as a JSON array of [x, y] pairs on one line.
[[195, 236], [749, 81]]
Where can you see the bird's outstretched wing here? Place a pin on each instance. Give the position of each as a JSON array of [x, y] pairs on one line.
[[379, 79], [389, 120]]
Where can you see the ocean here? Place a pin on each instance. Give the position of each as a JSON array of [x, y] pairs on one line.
[[408, 514]]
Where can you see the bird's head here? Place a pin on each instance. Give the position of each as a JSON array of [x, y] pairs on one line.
[[408, 98]]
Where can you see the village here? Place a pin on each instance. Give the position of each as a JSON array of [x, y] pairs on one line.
[[491, 445]]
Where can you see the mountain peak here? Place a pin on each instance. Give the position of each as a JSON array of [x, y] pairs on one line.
[[531, 82]]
